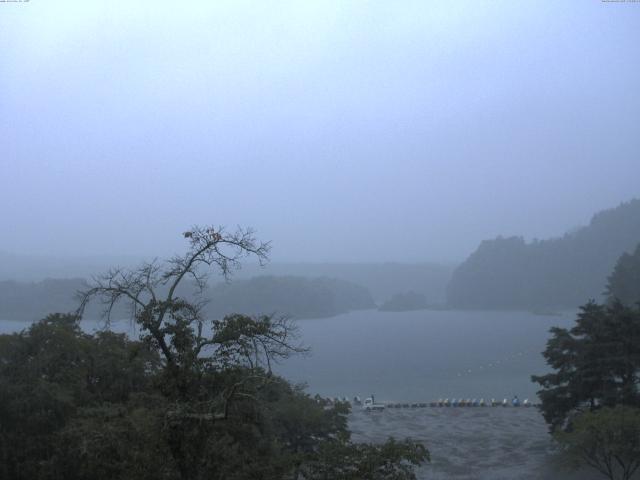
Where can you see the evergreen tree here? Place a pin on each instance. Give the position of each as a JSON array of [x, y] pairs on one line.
[[624, 282], [596, 363]]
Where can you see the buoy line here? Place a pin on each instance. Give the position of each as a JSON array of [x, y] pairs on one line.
[[370, 404]]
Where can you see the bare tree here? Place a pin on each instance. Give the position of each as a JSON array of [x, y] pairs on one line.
[[208, 248], [176, 326]]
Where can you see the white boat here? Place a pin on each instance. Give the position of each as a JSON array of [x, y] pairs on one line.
[[369, 404]]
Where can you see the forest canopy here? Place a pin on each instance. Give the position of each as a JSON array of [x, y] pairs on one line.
[[555, 273]]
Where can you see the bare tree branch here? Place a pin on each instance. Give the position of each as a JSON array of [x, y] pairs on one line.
[[190, 346]]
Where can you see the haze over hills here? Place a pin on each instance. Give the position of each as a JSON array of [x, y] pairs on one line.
[[35, 268], [506, 272], [383, 280], [298, 297], [32, 301], [556, 273], [33, 286]]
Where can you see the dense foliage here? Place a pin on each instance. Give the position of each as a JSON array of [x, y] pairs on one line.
[[191, 399], [67, 400], [560, 272], [596, 363], [607, 440], [624, 282]]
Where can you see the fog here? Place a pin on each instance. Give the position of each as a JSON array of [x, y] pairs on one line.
[[448, 192], [340, 131]]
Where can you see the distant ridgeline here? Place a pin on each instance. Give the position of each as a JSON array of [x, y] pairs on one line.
[[35, 300], [298, 297], [559, 272], [404, 302], [381, 279]]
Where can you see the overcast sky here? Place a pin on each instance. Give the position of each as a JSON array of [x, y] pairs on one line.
[[340, 130]]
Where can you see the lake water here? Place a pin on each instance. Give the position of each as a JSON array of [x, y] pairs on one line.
[[424, 355], [415, 356]]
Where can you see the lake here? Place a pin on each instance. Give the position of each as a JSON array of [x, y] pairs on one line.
[[414, 356], [424, 355]]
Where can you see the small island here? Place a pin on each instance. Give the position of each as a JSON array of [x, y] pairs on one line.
[[404, 302]]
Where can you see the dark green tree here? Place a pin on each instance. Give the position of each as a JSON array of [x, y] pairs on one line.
[[355, 461], [624, 282], [51, 376], [607, 440], [596, 363]]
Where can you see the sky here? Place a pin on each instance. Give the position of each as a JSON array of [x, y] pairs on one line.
[[347, 131]]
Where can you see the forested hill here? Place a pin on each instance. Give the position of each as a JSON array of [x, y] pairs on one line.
[[559, 272], [298, 297], [382, 280], [34, 300]]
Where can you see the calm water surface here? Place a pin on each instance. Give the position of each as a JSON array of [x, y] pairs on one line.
[[424, 355], [415, 356]]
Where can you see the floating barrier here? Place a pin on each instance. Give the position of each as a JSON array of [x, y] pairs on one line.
[[442, 403]]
